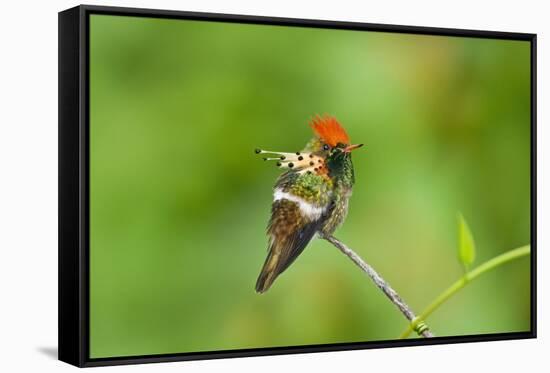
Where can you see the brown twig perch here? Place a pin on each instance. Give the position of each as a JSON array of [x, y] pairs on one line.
[[420, 327]]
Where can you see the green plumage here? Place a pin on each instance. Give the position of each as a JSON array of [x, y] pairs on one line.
[[310, 187]]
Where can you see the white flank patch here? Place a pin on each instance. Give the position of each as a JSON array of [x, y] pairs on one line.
[[311, 211]]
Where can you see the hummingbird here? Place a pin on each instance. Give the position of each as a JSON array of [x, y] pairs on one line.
[[310, 198]]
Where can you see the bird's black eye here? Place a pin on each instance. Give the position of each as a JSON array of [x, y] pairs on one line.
[[326, 147]]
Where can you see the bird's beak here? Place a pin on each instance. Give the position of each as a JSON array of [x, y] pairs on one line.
[[349, 148]]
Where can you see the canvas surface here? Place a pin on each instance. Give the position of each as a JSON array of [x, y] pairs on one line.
[[179, 202]]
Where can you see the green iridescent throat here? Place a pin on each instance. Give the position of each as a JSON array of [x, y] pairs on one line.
[[341, 168]]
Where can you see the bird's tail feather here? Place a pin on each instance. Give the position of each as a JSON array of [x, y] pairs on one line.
[[269, 273]]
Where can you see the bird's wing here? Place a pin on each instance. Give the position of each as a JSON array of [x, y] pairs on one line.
[[293, 223], [289, 233]]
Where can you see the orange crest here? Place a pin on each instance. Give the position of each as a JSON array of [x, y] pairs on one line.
[[329, 130]]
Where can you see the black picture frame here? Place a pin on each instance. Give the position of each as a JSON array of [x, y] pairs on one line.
[[74, 184]]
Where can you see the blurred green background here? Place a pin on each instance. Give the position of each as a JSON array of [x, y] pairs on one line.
[[179, 202]]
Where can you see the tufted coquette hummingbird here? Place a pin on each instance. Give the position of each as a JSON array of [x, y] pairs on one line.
[[310, 198]]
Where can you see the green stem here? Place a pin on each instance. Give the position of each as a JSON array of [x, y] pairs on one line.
[[464, 280]]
